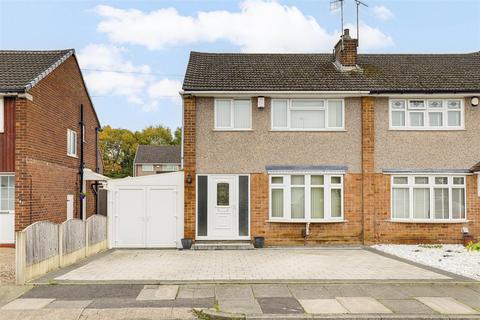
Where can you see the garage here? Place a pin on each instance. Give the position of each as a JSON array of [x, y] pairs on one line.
[[146, 212]]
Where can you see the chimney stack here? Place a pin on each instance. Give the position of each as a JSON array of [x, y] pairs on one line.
[[346, 51]]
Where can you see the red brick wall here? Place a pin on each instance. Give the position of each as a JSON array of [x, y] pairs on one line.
[[44, 172], [368, 168], [189, 118], [278, 233]]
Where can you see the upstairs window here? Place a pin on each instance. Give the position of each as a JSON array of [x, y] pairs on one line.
[[307, 114], [71, 143], [233, 114], [430, 114]]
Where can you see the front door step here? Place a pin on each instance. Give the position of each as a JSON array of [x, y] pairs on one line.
[[222, 245]]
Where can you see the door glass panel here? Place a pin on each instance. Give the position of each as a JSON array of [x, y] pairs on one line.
[[243, 206], [202, 205], [223, 194]]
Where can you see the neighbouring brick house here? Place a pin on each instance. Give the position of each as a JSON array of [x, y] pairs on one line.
[[332, 148], [150, 159], [42, 95]]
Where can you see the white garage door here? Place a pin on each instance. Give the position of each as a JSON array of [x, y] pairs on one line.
[[146, 216]]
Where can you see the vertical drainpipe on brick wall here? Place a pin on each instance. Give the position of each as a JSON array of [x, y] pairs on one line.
[[81, 166]]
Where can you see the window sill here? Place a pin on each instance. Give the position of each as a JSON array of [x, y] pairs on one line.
[[305, 221], [72, 156], [311, 130], [429, 221], [426, 129], [232, 130]]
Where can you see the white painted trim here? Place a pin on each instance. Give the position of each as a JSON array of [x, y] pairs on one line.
[[279, 94], [325, 108], [232, 118], [276, 220], [452, 221], [425, 95], [431, 186], [312, 172], [2, 115], [286, 186], [426, 127]]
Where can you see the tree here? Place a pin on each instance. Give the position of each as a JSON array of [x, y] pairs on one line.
[[118, 146]]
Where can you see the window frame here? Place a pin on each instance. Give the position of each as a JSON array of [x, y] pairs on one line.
[[8, 175], [148, 165], [232, 116], [426, 110], [290, 108], [431, 186], [327, 186], [71, 133]]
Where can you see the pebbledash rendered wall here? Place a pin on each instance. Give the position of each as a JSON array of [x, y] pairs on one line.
[[44, 174], [362, 147]]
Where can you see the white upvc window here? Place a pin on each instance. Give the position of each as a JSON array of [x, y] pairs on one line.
[[308, 114], [233, 114], [71, 143], [147, 167], [305, 197], [426, 114], [2, 116], [7, 194], [170, 167], [428, 198]]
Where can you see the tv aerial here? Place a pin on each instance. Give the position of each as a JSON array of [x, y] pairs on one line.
[[338, 4]]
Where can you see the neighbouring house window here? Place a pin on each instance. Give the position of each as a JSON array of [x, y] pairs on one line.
[[233, 114], [430, 114], [7, 194], [428, 198], [71, 143], [307, 114], [147, 167], [168, 167], [2, 116], [306, 197]]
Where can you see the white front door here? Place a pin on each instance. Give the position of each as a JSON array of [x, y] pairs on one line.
[[222, 213]]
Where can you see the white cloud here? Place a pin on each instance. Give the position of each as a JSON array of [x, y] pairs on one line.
[[382, 13], [370, 37], [107, 72], [259, 26]]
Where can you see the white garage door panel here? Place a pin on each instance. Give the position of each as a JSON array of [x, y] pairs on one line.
[[7, 228], [130, 220], [161, 221]]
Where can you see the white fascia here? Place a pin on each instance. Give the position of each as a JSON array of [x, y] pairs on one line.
[[278, 94]]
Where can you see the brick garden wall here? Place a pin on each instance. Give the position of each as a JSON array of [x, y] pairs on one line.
[[44, 172]]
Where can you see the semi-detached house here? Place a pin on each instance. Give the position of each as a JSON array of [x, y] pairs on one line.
[[332, 148]]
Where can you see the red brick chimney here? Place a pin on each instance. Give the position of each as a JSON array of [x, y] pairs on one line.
[[346, 52]]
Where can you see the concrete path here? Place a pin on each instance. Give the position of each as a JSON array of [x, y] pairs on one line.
[[247, 265], [7, 266], [251, 301]]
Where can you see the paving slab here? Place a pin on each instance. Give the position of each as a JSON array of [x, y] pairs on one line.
[[158, 292], [244, 306], [84, 291], [421, 290], [446, 305], [407, 306], [384, 291], [27, 304], [463, 294], [310, 291], [280, 305], [11, 315], [105, 314], [51, 314], [234, 292], [345, 290], [10, 292], [69, 304], [196, 291], [322, 306], [271, 290], [112, 303], [363, 305]]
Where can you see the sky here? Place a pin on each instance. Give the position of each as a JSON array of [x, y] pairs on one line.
[[133, 54]]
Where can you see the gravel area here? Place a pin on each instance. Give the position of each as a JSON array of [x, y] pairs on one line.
[[449, 257], [7, 266]]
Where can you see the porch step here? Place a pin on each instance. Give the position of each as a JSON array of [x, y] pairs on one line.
[[222, 245]]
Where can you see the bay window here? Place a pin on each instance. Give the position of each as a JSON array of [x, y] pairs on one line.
[[303, 197], [233, 114], [428, 198], [429, 114], [307, 114]]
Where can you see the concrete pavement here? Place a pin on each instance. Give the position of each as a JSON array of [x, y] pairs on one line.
[[294, 300]]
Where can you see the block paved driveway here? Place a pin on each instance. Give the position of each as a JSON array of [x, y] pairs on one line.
[[297, 264]]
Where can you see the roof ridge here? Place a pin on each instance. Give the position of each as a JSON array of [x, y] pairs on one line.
[[37, 51]]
